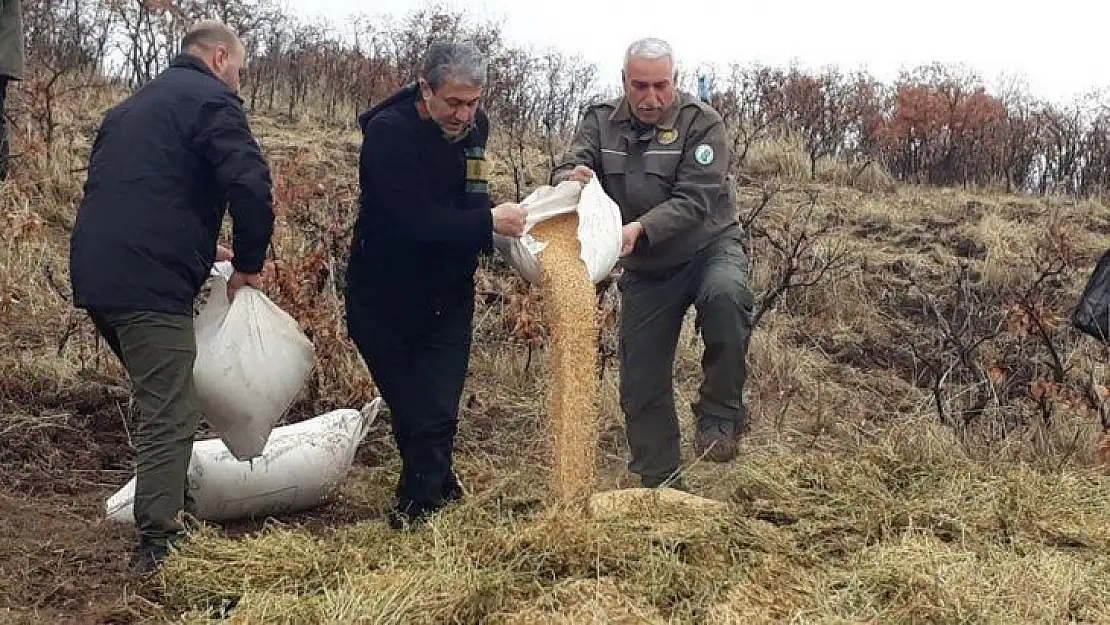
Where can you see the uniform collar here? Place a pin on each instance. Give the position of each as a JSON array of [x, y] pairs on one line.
[[623, 113]]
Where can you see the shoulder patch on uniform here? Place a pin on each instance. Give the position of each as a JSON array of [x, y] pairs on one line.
[[703, 154]]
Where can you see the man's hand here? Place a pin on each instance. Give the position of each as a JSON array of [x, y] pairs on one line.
[[238, 280], [629, 234], [582, 174], [222, 254], [508, 219]]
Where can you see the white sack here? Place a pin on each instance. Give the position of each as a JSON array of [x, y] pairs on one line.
[[599, 228], [301, 468], [252, 360]]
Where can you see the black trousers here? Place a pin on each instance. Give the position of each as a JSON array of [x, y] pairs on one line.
[[419, 363], [5, 139]]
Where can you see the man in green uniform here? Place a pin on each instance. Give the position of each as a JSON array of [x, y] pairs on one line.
[[663, 156]]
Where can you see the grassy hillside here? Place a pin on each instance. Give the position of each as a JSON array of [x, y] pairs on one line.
[[925, 443]]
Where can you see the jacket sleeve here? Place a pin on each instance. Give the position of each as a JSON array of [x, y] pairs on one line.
[[243, 176], [700, 179], [584, 149], [389, 163]]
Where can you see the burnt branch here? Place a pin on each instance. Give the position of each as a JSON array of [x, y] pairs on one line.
[[801, 260], [960, 328]]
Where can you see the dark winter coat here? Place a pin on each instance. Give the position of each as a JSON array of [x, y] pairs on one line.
[[164, 166], [424, 213]]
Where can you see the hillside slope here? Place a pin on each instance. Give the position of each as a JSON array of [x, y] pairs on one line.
[[924, 444]]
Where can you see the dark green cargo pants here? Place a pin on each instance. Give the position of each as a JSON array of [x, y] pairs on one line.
[[652, 309], [158, 351]]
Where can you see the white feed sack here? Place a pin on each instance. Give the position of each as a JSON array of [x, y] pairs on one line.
[[301, 467], [599, 228], [252, 360]]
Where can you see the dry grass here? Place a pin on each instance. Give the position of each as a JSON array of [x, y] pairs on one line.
[[783, 158], [889, 531], [786, 159]]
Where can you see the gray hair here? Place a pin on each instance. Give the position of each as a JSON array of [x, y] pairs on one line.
[[460, 61], [650, 48]]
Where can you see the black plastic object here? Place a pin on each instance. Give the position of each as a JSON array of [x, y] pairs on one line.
[[1092, 315]]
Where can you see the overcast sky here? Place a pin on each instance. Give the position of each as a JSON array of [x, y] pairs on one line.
[[1052, 44]]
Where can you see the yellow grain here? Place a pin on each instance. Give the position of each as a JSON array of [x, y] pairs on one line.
[[574, 390]]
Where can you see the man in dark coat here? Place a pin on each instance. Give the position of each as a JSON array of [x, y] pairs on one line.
[[425, 216], [12, 60], [164, 165]]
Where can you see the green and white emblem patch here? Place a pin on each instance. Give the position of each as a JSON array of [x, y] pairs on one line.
[[703, 154]]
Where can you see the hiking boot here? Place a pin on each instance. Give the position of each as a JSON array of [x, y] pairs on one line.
[[454, 490], [716, 439], [409, 515], [148, 558], [399, 518]]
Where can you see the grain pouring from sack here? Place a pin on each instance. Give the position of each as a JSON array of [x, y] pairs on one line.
[[574, 390]]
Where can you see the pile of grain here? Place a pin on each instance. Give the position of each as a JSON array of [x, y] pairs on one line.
[[574, 390]]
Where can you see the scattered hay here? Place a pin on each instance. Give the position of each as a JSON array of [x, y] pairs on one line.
[[630, 502], [574, 393], [894, 531], [583, 602]]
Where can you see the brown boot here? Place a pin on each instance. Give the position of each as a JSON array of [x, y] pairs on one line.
[[716, 439]]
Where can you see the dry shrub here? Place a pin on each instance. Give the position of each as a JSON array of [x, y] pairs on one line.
[[833, 171], [23, 242], [871, 177], [1007, 243], [784, 158], [574, 393]]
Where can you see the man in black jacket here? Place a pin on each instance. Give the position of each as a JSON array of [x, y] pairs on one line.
[[164, 164], [425, 216]]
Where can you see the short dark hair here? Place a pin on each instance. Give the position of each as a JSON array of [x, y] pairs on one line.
[[459, 60], [208, 34]]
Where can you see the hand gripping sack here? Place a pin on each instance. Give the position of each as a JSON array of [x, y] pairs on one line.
[[301, 468], [1092, 314], [252, 360], [599, 228]]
